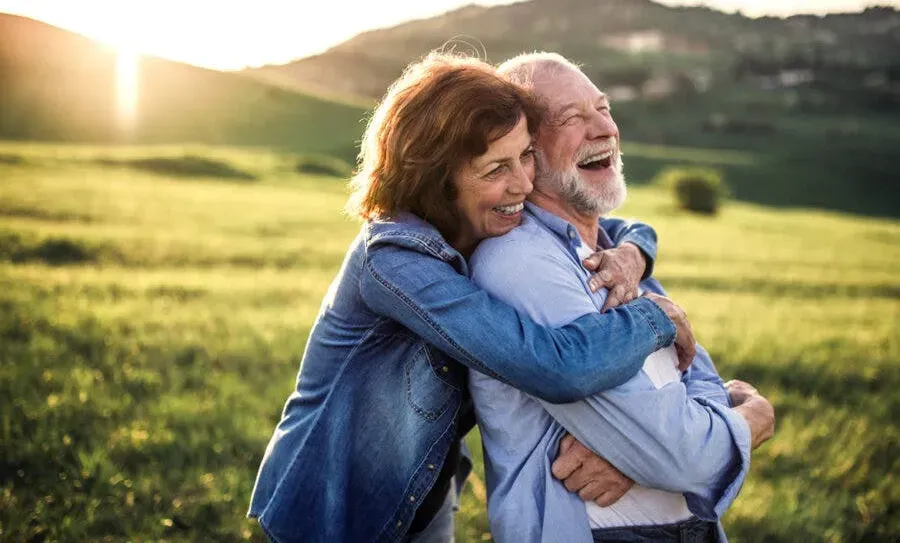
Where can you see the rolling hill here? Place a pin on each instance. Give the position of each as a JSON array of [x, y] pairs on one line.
[[59, 86], [811, 103], [619, 42], [690, 86]]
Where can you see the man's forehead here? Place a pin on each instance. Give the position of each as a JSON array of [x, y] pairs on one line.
[[568, 89]]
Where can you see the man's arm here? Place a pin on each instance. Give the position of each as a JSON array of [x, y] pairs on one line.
[[661, 438]]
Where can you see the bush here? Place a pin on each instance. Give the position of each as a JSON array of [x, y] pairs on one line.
[[696, 189], [323, 165], [183, 166]]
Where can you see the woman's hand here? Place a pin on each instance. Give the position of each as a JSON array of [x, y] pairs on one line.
[[685, 346], [592, 477], [619, 270]]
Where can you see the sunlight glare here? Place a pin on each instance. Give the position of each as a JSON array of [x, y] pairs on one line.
[[126, 90]]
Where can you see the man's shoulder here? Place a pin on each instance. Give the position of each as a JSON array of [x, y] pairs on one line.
[[524, 242]]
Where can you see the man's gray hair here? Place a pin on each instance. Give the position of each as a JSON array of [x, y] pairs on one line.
[[526, 68]]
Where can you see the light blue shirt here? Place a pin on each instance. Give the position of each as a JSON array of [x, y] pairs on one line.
[[682, 437]]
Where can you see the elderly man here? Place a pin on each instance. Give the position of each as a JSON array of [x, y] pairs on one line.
[[684, 439]]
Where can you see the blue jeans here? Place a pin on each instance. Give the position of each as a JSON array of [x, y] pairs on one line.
[[692, 530]]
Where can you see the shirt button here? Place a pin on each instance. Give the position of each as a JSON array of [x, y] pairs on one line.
[[571, 234]]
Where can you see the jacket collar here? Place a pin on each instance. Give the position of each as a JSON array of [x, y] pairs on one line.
[[410, 232]]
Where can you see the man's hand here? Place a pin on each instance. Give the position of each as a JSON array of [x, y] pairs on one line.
[[684, 337], [584, 472], [740, 391], [619, 270], [756, 409]]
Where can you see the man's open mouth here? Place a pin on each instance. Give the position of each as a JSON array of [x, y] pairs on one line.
[[510, 210], [598, 161]]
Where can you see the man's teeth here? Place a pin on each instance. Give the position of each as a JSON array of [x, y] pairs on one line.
[[509, 210], [596, 158]]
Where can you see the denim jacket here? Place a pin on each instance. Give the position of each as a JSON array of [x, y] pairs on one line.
[[380, 389]]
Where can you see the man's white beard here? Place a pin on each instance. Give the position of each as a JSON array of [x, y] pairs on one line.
[[586, 199]]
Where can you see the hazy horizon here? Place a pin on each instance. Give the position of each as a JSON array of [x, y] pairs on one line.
[[203, 32]]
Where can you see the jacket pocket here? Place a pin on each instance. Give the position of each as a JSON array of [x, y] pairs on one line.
[[428, 394]]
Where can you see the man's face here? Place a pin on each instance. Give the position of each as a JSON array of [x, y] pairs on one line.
[[578, 145]]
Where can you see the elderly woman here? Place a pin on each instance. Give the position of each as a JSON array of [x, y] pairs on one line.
[[370, 438]]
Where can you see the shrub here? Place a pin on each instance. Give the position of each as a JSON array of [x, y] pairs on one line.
[[51, 251], [183, 166], [8, 159], [696, 189], [323, 165]]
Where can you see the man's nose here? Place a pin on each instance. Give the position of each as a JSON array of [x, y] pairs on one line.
[[602, 125]]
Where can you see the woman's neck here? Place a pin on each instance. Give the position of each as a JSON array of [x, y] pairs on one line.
[[465, 244]]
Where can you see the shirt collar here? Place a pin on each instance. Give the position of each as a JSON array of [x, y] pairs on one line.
[[565, 230]]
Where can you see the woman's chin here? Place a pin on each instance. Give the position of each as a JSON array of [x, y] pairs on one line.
[[506, 225]]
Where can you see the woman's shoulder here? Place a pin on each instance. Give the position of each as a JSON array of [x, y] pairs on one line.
[[407, 232]]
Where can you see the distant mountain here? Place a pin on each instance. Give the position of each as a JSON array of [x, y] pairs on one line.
[[811, 103], [618, 41], [59, 86]]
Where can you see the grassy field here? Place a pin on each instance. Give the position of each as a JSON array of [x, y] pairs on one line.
[[151, 326]]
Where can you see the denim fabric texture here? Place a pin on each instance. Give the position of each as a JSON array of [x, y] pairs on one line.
[[383, 377], [441, 527]]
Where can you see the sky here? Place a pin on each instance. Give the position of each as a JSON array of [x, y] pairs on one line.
[[236, 34]]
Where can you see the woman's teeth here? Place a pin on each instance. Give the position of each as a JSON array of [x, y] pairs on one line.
[[510, 210]]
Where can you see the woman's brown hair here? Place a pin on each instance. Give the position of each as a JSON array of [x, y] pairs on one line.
[[443, 111]]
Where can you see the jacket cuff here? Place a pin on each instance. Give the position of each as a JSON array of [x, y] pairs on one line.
[[725, 491], [662, 325]]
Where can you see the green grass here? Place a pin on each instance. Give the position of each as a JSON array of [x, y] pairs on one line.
[[151, 326]]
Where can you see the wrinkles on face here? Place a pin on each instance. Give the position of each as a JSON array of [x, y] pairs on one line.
[[586, 198], [579, 157]]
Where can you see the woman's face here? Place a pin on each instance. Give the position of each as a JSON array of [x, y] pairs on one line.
[[492, 188]]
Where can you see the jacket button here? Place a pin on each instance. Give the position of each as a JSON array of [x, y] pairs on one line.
[[412, 498], [399, 523], [430, 466], [445, 369]]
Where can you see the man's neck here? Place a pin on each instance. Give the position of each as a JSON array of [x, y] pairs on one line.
[[587, 225]]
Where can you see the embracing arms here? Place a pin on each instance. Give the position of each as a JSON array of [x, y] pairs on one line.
[[670, 437], [591, 354]]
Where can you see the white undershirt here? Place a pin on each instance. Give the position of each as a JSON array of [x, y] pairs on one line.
[[641, 505]]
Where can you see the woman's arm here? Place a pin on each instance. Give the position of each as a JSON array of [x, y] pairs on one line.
[[592, 354]]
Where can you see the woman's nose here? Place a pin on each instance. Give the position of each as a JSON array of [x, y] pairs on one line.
[[523, 178]]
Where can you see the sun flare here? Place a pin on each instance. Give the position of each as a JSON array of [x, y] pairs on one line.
[[127, 68]]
